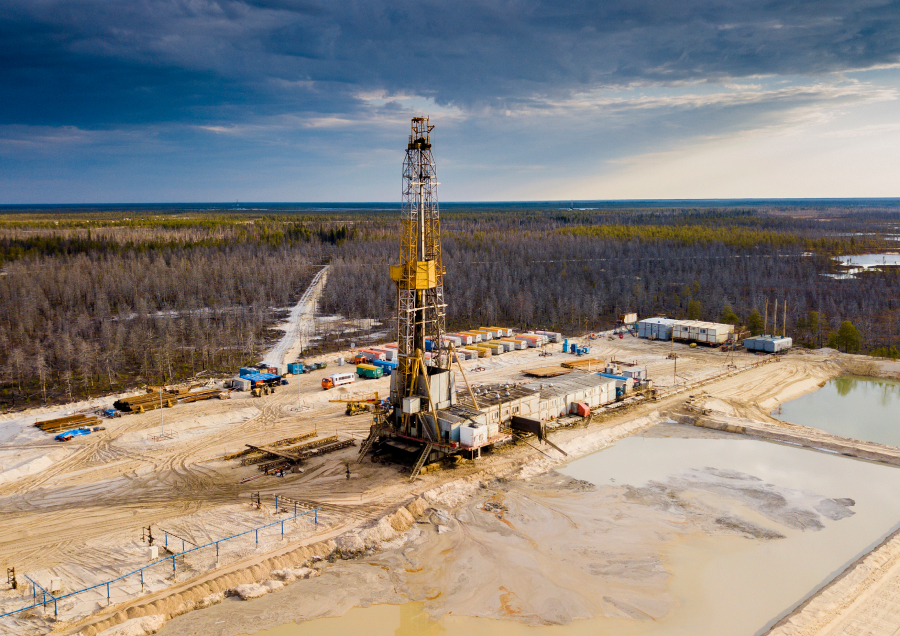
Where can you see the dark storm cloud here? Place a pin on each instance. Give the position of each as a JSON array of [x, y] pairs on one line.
[[102, 62]]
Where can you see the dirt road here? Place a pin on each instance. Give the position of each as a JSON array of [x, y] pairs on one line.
[[299, 322]]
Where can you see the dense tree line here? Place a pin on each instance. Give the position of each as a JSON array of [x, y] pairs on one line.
[[575, 271], [89, 323], [101, 300]]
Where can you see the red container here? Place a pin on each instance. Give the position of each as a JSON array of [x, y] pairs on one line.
[[582, 409]]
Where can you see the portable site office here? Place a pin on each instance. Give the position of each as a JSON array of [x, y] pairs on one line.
[[656, 328], [700, 331]]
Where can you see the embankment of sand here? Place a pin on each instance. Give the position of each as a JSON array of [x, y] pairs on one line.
[[266, 575]]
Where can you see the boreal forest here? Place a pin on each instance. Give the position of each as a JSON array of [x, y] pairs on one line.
[[100, 300]]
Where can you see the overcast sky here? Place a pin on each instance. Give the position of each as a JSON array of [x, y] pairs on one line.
[[310, 100]]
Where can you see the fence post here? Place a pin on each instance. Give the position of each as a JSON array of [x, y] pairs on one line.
[[295, 508], [282, 529], [173, 567], [107, 593], [55, 613], [257, 535], [167, 538], [316, 516], [276, 504], [142, 580]]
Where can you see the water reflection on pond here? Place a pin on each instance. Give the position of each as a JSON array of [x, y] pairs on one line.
[[869, 260], [866, 409]]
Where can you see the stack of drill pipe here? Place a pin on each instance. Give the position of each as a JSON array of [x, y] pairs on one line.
[[65, 423], [145, 402], [300, 448], [281, 442], [196, 396], [306, 454]]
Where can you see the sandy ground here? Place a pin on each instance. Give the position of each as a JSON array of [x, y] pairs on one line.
[[76, 512]]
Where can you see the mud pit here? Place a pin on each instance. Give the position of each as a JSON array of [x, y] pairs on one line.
[[669, 545], [79, 515]]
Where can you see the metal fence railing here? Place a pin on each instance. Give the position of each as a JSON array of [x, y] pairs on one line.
[[47, 597]]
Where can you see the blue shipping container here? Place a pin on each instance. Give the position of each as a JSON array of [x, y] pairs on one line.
[[247, 371], [384, 364], [295, 368]]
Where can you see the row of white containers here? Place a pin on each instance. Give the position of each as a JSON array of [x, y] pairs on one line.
[[694, 330], [700, 331]]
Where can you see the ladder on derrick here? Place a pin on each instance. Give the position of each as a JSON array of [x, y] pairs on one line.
[[421, 461]]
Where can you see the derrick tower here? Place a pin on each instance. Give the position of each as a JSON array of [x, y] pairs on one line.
[[420, 287]]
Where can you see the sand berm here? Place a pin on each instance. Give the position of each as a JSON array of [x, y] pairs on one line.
[[148, 615]]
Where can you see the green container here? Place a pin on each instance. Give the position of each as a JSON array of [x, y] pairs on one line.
[[369, 371]]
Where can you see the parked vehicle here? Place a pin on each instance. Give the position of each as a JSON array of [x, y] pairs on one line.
[[338, 379]]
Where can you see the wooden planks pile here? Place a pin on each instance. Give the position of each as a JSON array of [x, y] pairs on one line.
[[585, 364], [546, 372], [60, 424]]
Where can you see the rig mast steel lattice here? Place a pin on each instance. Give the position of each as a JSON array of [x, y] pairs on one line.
[[420, 284]]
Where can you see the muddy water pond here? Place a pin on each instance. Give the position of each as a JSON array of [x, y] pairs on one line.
[[867, 409], [658, 534]]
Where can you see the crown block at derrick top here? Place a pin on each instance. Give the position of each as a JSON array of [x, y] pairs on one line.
[[415, 275]]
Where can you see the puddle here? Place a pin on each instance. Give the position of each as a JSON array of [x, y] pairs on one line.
[[653, 536], [866, 409]]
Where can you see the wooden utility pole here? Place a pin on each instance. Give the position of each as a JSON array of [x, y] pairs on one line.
[[775, 320], [784, 320]]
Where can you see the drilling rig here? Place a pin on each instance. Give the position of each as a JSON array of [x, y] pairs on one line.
[[421, 384]]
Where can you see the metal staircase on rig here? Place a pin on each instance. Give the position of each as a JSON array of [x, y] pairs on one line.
[[421, 462]]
